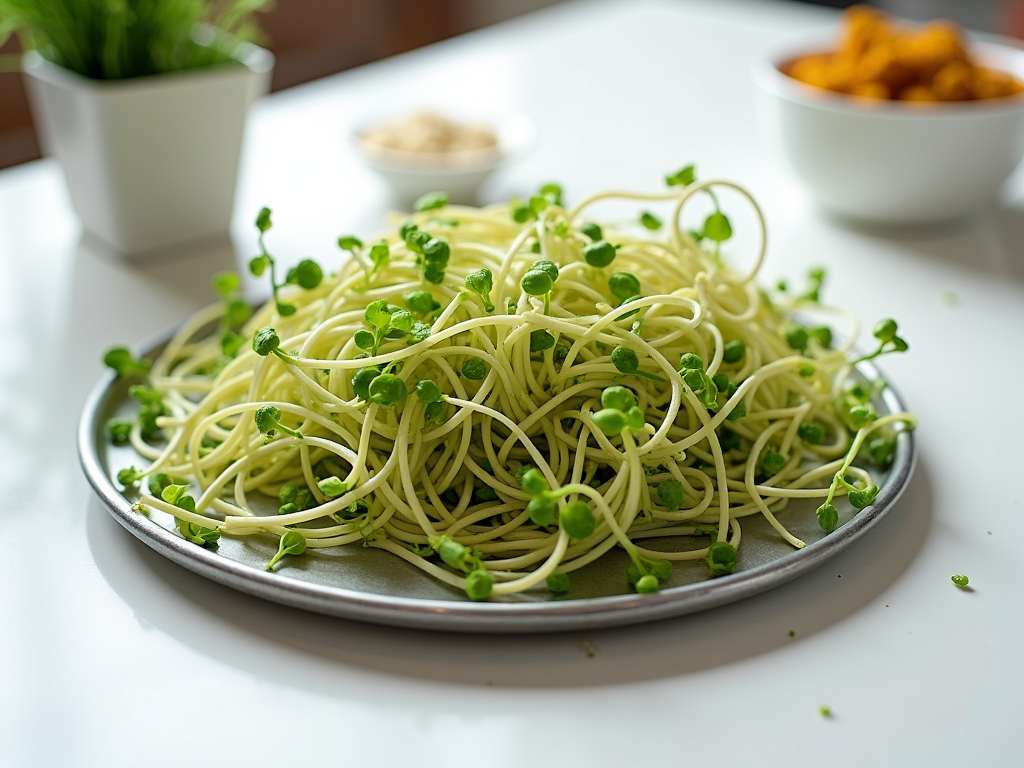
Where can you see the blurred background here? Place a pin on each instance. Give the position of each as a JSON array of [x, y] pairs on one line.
[[315, 38]]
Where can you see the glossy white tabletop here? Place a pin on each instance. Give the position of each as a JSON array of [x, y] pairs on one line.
[[115, 657]]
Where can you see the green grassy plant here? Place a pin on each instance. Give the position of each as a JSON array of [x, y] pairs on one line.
[[118, 39]]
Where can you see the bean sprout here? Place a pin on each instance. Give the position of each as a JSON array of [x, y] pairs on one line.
[[500, 396]]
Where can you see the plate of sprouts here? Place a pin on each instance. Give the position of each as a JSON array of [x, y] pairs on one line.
[[516, 418]]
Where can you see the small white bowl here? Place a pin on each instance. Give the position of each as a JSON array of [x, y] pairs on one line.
[[887, 162], [413, 174]]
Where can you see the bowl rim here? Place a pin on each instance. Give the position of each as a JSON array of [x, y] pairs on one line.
[[991, 50], [516, 132]]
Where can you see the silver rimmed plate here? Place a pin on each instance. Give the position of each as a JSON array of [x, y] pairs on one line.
[[371, 585]]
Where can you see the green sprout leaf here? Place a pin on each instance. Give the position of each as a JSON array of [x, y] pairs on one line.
[[861, 416], [288, 493], [552, 192], [690, 362], [292, 543], [540, 279], [481, 283], [797, 337], [536, 283], [174, 492], [577, 520], [533, 482], [387, 390], [431, 201], [479, 585], [420, 302], [738, 412], [541, 510], [225, 283], [546, 266], [721, 558], [158, 481], [815, 281], [881, 450], [198, 534], [821, 334], [119, 430], [151, 407], [671, 494], [521, 213], [436, 253], [623, 285], [124, 363], [649, 221], [683, 177], [258, 265], [129, 476], [861, 498], [635, 418], [885, 330], [828, 517], [483, 494], [717, 227], [332, 487], [357, 509], [610, 421], [363, 339], [419, 332], [729, 441], [236, 313], [306, 274], [474, 369], [389, 321], [268, 422], [812, 432], [625, 359], [542, 506], [428, 392], [541, 340], [361, 380], [647, 585], [558, 583], [265, 341], [455, 555], [349, 243], [888, 340], [599, 254], [401, 320], [772, 463], [377, 314], [619, 398], [379, 256], [433, 414], [734, 351]]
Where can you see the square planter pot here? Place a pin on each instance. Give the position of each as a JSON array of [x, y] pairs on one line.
[[151, 163]]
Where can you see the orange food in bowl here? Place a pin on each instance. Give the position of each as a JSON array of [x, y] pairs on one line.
[[879, 59]]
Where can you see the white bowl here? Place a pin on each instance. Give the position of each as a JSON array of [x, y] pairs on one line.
[[886, 162], [413, 174]]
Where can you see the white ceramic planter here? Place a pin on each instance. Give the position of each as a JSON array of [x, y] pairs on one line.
[[151, 163]]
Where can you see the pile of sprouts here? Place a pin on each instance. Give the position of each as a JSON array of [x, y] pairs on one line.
[[500, 396]]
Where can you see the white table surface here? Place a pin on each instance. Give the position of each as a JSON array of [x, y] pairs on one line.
[[115, 657]]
